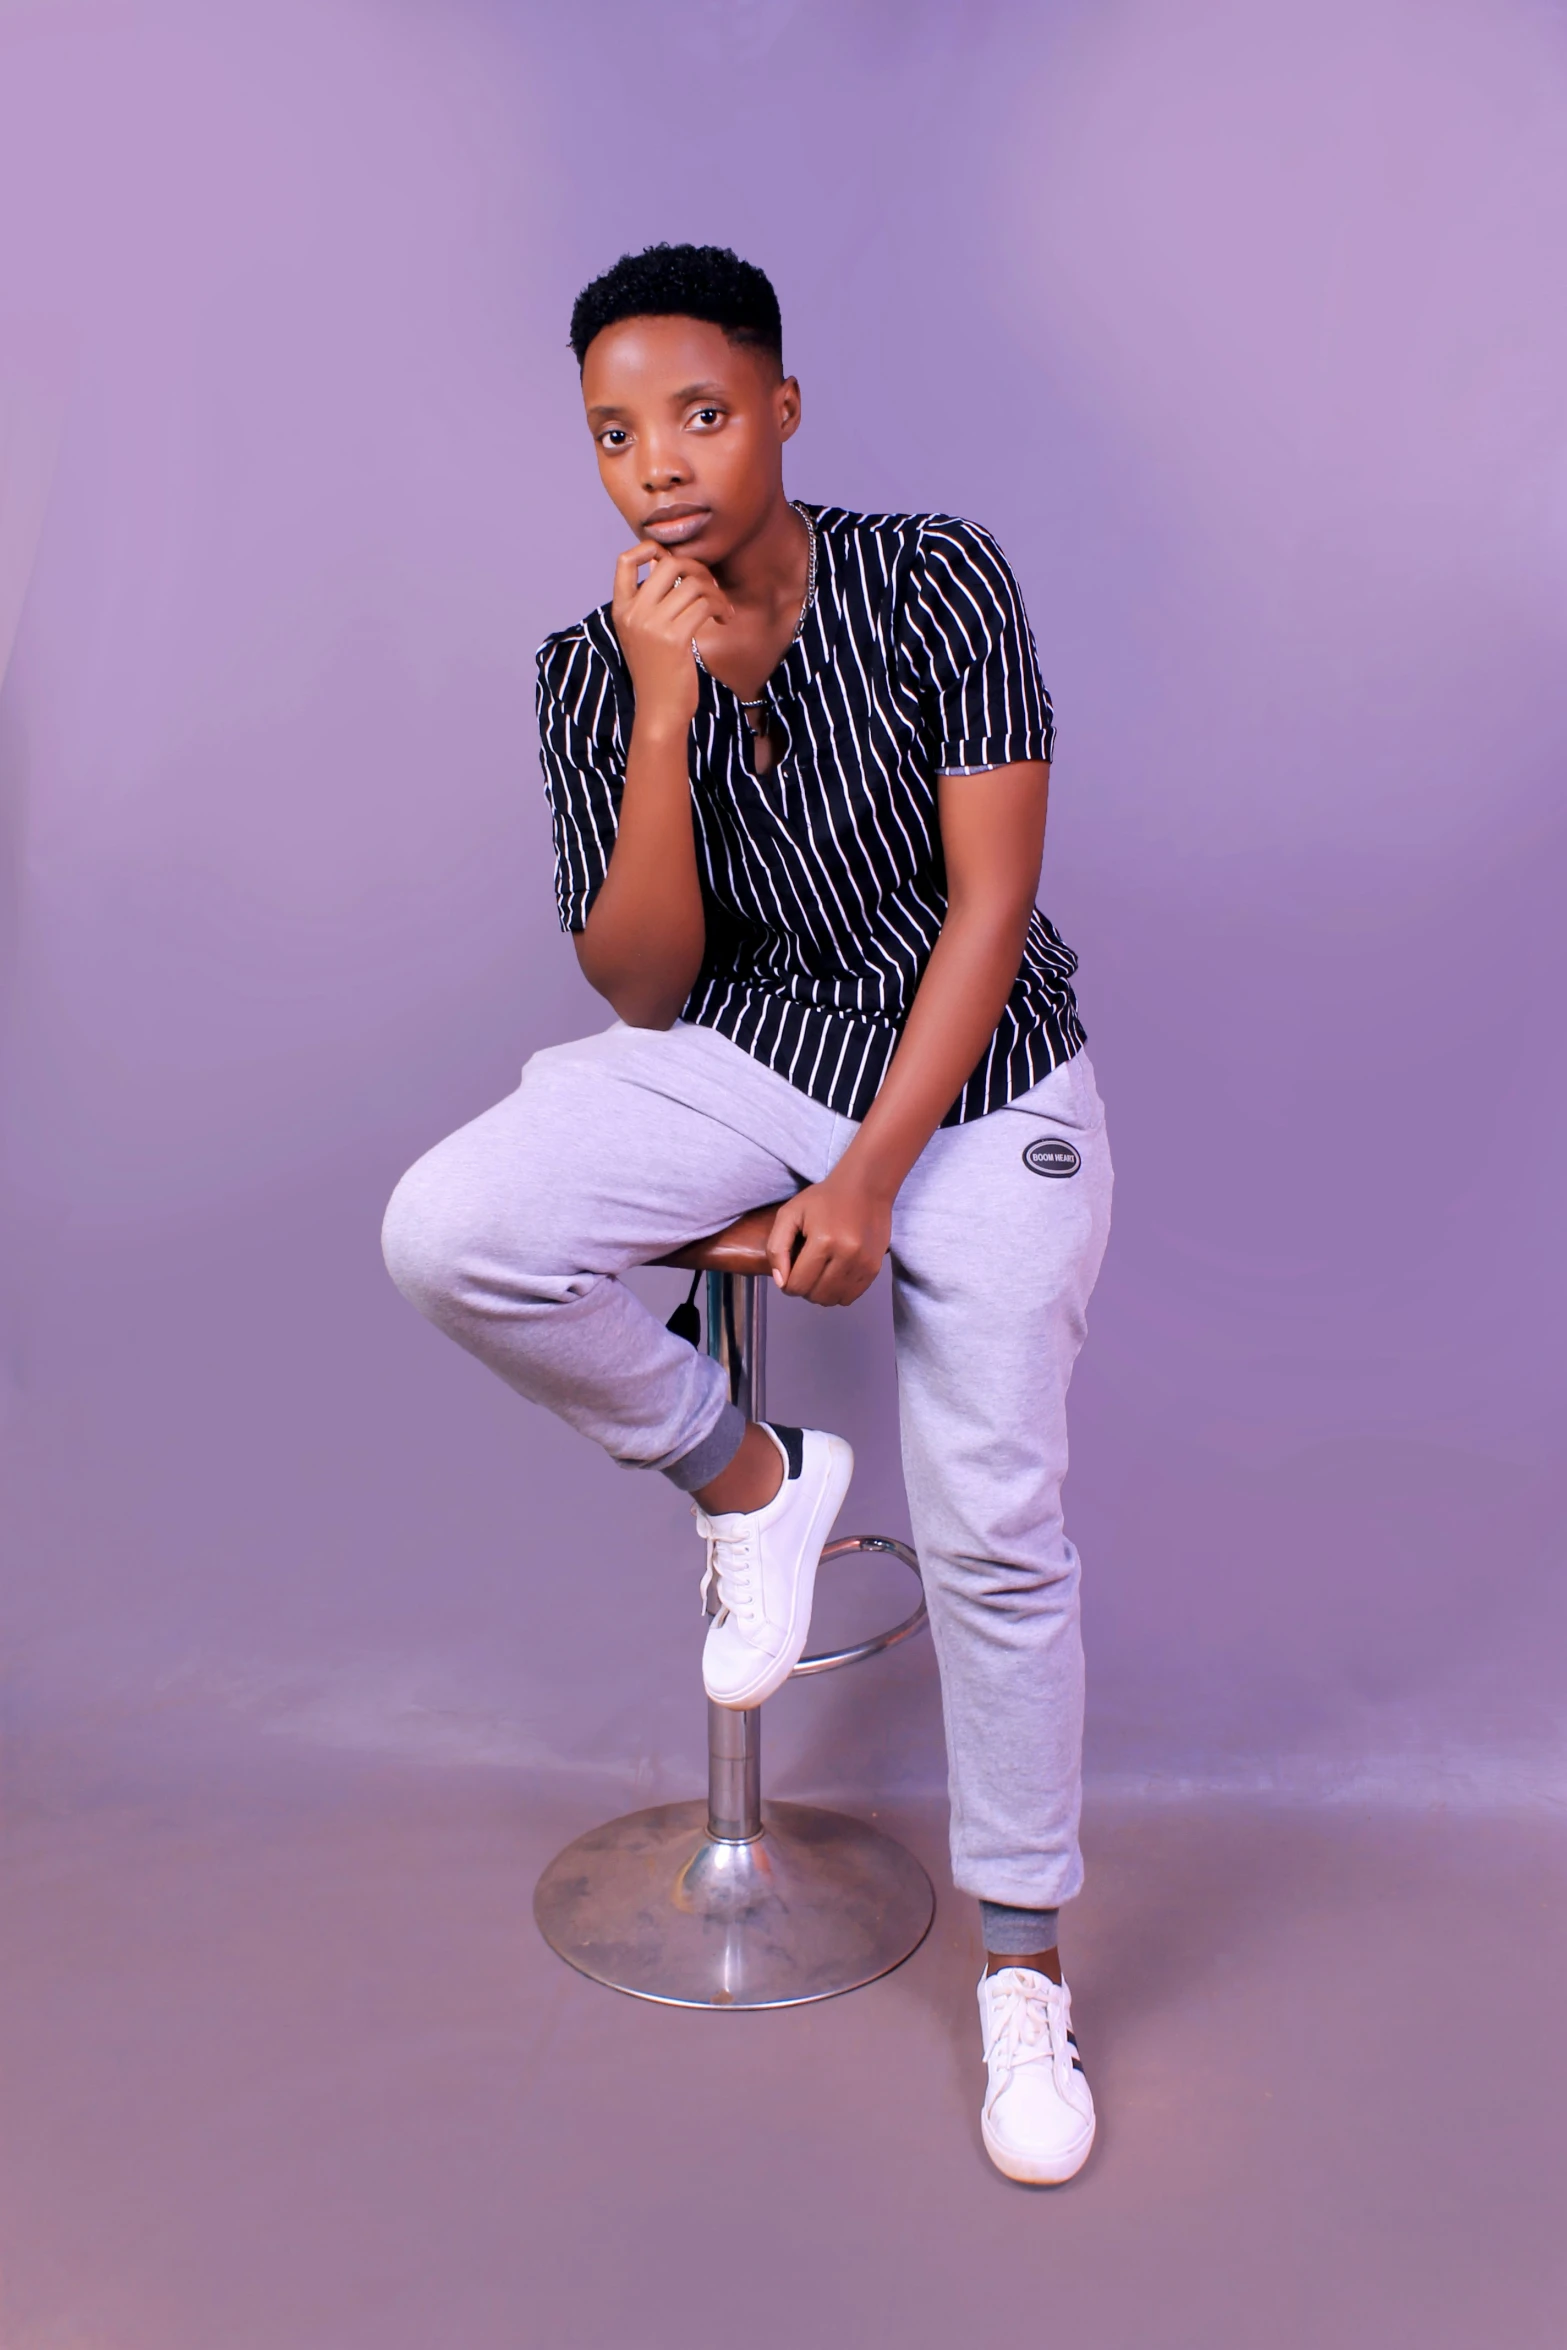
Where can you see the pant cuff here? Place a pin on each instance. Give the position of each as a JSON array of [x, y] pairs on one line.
[[715, 1451]]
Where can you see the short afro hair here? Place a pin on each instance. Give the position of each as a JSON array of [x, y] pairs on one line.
[[682, 281]]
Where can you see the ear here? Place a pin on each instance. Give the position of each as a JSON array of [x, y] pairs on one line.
[[787, 407]]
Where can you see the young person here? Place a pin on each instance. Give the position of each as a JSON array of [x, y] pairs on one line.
[[798, 769]]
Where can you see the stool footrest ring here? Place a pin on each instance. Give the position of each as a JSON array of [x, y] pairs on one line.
[[827, 1660]]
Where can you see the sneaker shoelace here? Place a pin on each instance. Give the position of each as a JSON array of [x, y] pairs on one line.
[[1023, 2028], [734, 1570]]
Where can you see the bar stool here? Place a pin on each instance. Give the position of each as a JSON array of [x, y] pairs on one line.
[[735, 1902]]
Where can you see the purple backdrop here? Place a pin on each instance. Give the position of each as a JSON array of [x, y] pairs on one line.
[[1242, 328]]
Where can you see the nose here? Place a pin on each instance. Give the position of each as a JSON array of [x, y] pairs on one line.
[[662, 468]]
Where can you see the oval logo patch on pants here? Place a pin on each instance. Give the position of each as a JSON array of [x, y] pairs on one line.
[[1051, 1156]]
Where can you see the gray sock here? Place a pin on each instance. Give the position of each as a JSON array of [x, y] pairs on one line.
[[716, 1450], [1018, 1932]]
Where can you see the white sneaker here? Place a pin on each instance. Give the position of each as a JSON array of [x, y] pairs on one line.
[[763, 1563], [1038, 2116]]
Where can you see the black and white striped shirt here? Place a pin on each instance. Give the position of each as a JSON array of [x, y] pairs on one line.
[[823, 879]]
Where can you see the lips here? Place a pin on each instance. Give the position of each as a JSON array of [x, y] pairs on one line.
[[673, 525]]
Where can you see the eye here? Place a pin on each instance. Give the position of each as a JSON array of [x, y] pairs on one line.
[[707, 416], [615, 437]]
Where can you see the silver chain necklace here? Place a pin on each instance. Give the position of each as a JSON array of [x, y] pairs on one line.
[[760, 702]]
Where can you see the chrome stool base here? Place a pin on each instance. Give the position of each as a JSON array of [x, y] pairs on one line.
[[653, 1904], [735, 1902]]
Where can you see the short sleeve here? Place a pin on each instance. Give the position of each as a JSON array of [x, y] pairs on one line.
[[584, 761], [968, 637]]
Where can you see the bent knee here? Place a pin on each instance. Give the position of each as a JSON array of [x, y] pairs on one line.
[[461, 1254], [425, 1239]]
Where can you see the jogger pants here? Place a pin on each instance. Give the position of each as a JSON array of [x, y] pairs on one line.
[[613, 1150]]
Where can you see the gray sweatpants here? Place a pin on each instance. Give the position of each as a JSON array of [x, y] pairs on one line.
[[509, 1235]]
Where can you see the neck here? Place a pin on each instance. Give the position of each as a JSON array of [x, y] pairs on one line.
[[766, 572]]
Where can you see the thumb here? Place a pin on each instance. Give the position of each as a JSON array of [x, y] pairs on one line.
[[788, 1225]]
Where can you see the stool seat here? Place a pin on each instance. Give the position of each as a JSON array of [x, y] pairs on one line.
[[741, 1247]]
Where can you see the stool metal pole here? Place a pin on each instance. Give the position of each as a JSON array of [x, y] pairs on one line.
[[737, 1337], [734, 1773], [734, 1903]]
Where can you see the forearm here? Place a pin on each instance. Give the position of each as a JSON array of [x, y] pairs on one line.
[[971, 972], [828, 1242], [643, 944]]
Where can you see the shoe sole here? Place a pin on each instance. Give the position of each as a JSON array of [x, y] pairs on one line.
[[828, 1503], [1033, 2174]]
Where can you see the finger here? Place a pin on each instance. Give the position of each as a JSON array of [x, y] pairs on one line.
[[630, 563], [633, 558], [840, 1285], [663, 597], [809, 1268], [675, 584], [687, 606], [670, 590], [663, 574], [665, 570], [664, 562], [675, 618], [680, 561], [856, 1281], [784, 1239], [689, 566]]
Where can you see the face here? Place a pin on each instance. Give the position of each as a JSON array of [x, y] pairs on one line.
[[690, 429]]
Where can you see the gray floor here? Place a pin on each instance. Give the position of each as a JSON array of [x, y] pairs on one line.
[[287, 2068]]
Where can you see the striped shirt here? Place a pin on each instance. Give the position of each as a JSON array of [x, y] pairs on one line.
[[823, 879]]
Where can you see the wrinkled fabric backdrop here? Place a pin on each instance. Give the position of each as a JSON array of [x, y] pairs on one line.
[[1242, 327]]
